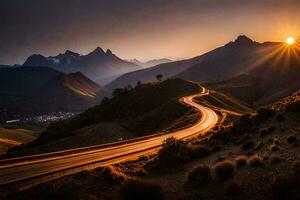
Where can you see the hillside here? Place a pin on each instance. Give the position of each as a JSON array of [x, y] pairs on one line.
[[219, 64], [43, 89], [220, 101], [14, 137], [98, 65], [256, 157], [257, 73], [150, 63], [131, 112]]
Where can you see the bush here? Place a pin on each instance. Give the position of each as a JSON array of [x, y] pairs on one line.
[[224, 170], [255, 161], [296, 168], [232, 188], [173, 153], [275, 159], [200, 175], [274, 147], [240, 161], [272, 128], [276, 141], [293, 107], [264, 132], [139, 189], [291, 139], [199, 151], [264, 114], [248, 145], [280, 118], [111, 174]]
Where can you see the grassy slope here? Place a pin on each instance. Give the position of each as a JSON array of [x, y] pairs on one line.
[[223, 101], [140, 111], [14, 137], [273, 179]]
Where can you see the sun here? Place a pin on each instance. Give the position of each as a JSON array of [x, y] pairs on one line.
[[290, 41]]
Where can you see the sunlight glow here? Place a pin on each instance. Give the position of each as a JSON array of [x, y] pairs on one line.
[[290, 41]]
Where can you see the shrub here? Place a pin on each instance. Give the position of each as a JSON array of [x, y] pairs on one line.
[[264, 114], [139, 189], [216, 148], [255, 161], [276, 141], [280, 118], [293, 107], [264, 132], [173, 153], [232, 188], [200, 175], [275, 159], [248, 145], [296, 168], [272, 128], [224, 170], [240, 161], [199, 151], [111, 174], [274, 147], [291, 139]]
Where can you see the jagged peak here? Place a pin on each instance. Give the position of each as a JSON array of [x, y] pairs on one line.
[[71, 52], [98, 50], [109, 52], [243, 39]]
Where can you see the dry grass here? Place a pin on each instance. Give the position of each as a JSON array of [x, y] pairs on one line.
[[140, 189], [224, 170], [241, 161], [291, 139], [274, 147], [255, 160], [200, 175]]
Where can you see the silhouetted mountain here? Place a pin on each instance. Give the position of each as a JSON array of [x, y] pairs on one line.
[[43, 89], [219, 64], [150, 63], [98, 65], [269, 65]]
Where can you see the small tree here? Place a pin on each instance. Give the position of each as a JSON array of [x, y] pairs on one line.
[[159, 77], [138, 84]]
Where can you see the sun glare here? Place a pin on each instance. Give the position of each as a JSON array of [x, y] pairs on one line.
[[290, 41]]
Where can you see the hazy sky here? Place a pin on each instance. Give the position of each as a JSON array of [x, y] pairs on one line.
[[142, 29]]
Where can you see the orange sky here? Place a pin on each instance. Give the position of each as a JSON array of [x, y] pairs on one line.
[[140, 29]]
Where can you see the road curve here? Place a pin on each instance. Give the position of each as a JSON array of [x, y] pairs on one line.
[[32, 169]]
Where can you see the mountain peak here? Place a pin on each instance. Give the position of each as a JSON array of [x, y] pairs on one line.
[[108, 52], [243, 39], [98, 50], [68, 52]]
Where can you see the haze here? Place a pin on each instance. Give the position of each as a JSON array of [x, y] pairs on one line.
[[139, 29]]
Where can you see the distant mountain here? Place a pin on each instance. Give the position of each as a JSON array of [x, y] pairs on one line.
[[150, 63], [272, 65], [98, 65], [43, 89], [219, 64]]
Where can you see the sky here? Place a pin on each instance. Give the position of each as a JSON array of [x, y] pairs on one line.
[[142, 29]]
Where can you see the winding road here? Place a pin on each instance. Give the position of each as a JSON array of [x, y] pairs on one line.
[[32, 170]]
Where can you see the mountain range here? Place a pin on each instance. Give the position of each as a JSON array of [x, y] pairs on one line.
[[274, 69], [150, 63], [43, 89], [98, 65]]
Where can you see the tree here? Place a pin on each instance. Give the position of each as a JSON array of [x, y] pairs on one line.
[[138, 84], [159, 77]]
